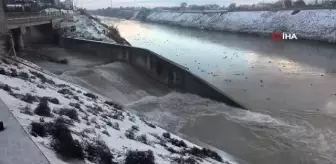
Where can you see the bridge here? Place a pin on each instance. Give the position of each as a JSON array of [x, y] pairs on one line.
[[25, 27], [17, 20]]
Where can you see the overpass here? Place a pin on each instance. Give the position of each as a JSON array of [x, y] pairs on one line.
[[27, 27], [17, 20]]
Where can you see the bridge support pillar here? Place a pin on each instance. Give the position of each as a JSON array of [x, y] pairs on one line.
[[18, 38], [20, 43]]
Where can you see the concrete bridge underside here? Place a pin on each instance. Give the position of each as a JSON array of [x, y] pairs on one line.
[[27, 28]]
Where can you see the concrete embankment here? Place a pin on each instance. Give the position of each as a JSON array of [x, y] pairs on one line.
[[153, 65], [306, 24]]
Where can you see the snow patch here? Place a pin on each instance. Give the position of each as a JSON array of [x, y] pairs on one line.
[[307, 24], [82, 27], [98, 118]]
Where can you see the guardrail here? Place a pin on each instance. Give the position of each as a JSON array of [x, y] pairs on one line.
[[15, 19], [20, 15]]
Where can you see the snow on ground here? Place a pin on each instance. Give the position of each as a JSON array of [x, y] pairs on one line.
[[307, 24], [92, 119], [56, 11], [82, 27]]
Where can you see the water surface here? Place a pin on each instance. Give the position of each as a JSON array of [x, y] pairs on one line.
[[290, 87]]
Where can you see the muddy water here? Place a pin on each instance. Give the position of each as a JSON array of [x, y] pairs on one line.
[[290, 88]]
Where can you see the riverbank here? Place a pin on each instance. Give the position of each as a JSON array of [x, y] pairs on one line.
[[61, 116], [85, 26], [306, 24]]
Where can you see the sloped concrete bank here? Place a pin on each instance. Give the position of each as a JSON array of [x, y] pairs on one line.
[[306, 24], [153, 65]]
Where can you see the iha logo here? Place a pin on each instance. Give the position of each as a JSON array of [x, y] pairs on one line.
[[277, 36]]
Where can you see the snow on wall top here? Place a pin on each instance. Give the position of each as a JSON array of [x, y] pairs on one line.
[[307, 24]]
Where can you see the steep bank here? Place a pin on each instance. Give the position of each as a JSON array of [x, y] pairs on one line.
[[70, 124], [306, 24], [85, 26]]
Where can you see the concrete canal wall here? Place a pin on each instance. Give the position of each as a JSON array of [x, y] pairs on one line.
[[153, 65]]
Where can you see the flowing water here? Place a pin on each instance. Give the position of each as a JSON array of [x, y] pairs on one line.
[[289, 87]]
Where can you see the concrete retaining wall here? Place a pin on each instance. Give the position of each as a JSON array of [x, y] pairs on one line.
[[155, 66]]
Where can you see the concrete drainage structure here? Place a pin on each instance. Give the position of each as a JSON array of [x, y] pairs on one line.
[[153, 65]]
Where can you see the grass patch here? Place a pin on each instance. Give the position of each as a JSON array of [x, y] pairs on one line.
[[28, 98], [114, 105], [205, 153], [106, 133], [99, 152], [91, 95], [24, 75], [51, 100], [178, 143], [166, 135], [63, 142], [115, 34], [142, 138], [3, 72], [65, 91], [6, 88], [43, 109], [140, 157], [42, 78], [13, 73], [75, 105], [38, 129], [130, 134], [71, 113], [27, 110]]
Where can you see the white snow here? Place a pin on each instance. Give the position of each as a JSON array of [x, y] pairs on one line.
[[307, 24], [118, 143], [82, 27], [56, 11]]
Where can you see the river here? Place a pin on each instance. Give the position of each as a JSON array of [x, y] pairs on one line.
[[289, 87]]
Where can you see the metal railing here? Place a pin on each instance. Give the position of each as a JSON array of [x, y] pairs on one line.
[[24, 18], [13, 16]]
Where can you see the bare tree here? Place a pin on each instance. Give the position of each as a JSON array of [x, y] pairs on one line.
[[183, 5], [299, 3], [287, 3], [232, 6]]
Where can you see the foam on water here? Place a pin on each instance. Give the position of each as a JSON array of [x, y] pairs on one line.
[[174, 110]]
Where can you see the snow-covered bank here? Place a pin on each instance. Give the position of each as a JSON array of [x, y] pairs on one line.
[[82, 27], [56, 11], [80, 125], [306, 24]]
